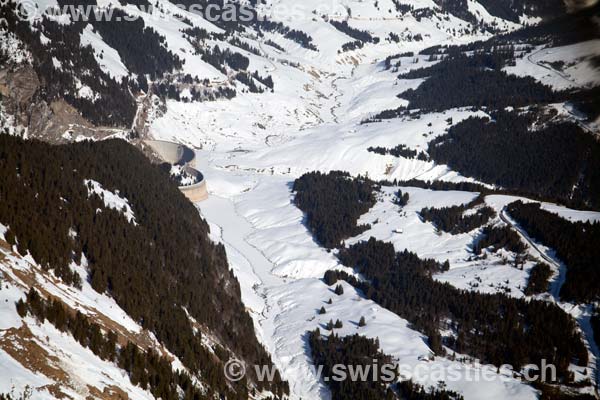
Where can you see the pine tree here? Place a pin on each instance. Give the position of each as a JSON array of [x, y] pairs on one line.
[[10, 237], [329, 325], [322, 310], [21, 308], [362, 322], [446, 265], [339, 290], [435, 342]]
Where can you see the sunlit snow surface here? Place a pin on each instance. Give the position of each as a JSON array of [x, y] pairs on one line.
[[280, 269], [255, 145], [112, 200], [280, 266]]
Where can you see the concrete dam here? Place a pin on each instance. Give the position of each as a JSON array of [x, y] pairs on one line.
[[178, 154]]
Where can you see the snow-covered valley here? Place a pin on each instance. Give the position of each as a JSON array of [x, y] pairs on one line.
[[321, 112], [280, 267], [278, 262]]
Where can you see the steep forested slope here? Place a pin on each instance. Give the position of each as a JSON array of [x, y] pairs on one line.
[[557, 161], [496, 329], [147, 369], [577, 244], [161, 268], [57, 66]]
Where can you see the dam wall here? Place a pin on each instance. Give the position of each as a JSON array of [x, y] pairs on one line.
[[178, 154], [196, 192], [173, 153]]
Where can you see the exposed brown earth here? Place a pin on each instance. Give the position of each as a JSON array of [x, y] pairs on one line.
[[21, 345], [109, 393], [19, 88]]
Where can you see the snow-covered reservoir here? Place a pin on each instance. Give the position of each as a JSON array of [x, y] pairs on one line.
[[255, 145], [252, 161]]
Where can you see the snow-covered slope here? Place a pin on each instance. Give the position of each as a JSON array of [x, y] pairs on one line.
[[39, 359], [280, 268], [250, 149]]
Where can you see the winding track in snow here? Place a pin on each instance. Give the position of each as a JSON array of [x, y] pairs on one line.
[[547, 67], [560, 267], [584, 319], [337, 103], [583, 125]]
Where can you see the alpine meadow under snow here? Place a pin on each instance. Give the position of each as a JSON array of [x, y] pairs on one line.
[[413, 182]]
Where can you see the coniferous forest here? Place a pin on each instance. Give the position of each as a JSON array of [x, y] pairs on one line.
[[461, 85], [114, 106], [360, 352], [538, 279], [494, 328], [548, 162], [317, 194], [453, 219], [595, 322], [356, 34], [497, 238], [142, 50], [472, 81], [353, 351], [46, 205], [577, 244], [399, 151]]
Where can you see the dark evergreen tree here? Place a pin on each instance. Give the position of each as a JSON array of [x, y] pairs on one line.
[[538, 279], [319, 194], [496, 328], [577, 244], [44, 196]]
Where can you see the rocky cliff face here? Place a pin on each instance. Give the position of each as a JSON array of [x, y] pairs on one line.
[[32, 116]]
